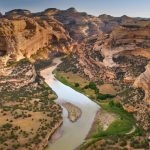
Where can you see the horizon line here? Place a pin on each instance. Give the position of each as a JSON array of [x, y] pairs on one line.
[[32, 11]]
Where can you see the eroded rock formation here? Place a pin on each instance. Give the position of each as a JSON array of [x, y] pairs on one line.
[[24, 35]]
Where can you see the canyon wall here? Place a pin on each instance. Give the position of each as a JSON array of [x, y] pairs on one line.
[[23, 36]]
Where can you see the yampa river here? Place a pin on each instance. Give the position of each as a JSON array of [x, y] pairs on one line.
[[72, 134]]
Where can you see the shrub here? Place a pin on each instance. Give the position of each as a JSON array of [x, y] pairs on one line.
[[77, 84], [86, 87], [96, 91], [7, 126], [139, 131], [92, 85], [104, 96], [100, 82], [111, 103], [123, 143], [101, 96], [118, 105]]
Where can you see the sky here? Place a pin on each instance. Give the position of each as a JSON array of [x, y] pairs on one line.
[[133, 8]]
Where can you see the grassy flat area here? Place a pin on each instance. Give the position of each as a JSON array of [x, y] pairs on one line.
[[81, 85], [122, 125], [116, 136], [71, 79]]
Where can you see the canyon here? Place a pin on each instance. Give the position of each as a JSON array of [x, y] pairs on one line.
[[112, 50]]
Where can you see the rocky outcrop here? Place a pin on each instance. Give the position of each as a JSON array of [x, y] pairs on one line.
[[78, 24], [25, 72], [17, 12], [143, 81], [25, 36], [118, 50]]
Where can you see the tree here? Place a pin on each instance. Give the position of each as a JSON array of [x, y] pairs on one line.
[[92, 85], [77, 84], [111, 103]]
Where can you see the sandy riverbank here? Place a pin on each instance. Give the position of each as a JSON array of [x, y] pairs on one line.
[[74, 112], [103, 120]]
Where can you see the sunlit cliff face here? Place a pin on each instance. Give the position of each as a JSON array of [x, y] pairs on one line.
[[26, 36]]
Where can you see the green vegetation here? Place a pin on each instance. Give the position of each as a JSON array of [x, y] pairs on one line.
[[7, 126], [118, 129], [92, 85], [89, 89], [104, 96], [123, 125], [117, 132], [28, 112], [75, 86]]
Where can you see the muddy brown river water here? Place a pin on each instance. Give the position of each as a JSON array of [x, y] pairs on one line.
[[71, 134]]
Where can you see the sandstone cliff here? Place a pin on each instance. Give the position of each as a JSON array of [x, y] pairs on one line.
[[22, 35]]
